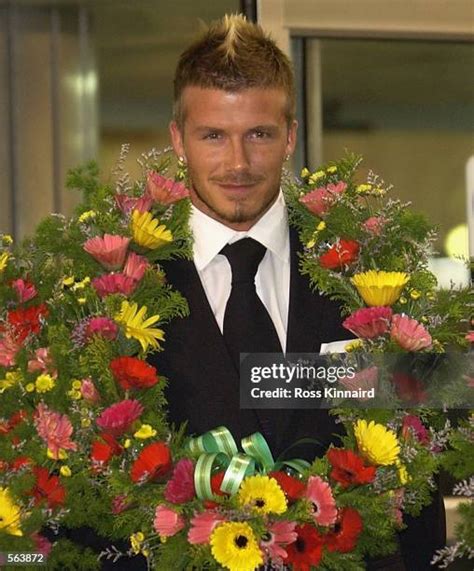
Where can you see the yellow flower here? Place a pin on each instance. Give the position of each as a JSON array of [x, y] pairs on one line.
[[305, 173], [263, 494], [76, 384], [136, 540], [147, 232], [145, 431], [321, 226], [81, 300], [127, 443], [62, 454], [403, 300], [377, 444], [9, 514], [379, 287], [65, 471], [311, 243], [234, 546], [353, 345], [86, 422], [30, 387], [11, 379], [313, 179], [74, 394], [415, 294], [68, 281], [363, 188], [403, 476], [44, 383], [138, 327], [332, 170], [87, 215], [7, 239], [4, 260]]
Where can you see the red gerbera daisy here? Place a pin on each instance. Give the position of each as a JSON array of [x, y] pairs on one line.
[[26, 321], [342, 253], [103, 450], [153, 461], [347, 531], [292, 487], [48, 487], [307, 550], [348, 468], [133, 373]]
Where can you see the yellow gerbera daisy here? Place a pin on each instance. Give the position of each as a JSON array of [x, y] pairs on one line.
[[44, 383], [263, 494], [138, 327], [4, 260], [9, 514], [377, 444], [379, 287], [234, 546], [148, 232]]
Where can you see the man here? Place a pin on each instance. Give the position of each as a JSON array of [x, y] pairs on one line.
[[234, 127]]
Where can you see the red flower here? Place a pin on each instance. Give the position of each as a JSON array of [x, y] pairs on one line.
[[307, 550], [342, 253], [26, 321], [348, 529], [48, 487], [103, 450], [292, 487], [20, 463], [348, 468], [180, 488], [153, 461], [119, 417], [409, 389], [133, 373]]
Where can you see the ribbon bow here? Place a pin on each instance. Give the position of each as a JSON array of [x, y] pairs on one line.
[[217, 448]]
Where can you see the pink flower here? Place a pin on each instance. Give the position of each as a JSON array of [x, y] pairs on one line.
[[110, 250], [55, 429], [202, 526], [42, 544], [470, 337], [409, 334], [129, 203], [369, 322], [374, 225], [319, 200], [89, 392], [165, 190], [366, 379], [114, 283], [319, 493], [167, 521], [119, 504], [279, 534], [412, 425], [24, 290], [135, 266], [9, 347], [103, 326], [118, 418], [180, 488], [42, 362]]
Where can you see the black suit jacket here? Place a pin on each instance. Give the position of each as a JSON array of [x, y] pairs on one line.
[[204, 389]]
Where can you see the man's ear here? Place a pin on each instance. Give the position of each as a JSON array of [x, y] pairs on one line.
[[177, 139], [291, 144]]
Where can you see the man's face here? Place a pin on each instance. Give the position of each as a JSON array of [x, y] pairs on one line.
[[234, 144]]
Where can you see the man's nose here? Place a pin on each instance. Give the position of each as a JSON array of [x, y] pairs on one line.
[[237, 158]]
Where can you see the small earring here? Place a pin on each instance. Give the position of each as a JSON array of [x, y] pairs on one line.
[[288, 157], [182, 159]]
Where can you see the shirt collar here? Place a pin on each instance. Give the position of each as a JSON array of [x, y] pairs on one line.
[[210, 236]]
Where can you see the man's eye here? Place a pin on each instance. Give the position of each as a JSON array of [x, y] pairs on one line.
[[212, 136], [260, 134]]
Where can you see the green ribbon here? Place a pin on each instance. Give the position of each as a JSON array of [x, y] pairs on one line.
[[217, 449]]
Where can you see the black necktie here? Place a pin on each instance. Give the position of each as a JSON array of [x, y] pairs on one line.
[[248, 328]]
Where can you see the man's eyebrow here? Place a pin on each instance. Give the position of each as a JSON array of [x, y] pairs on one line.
[[272, 128], [206, 129]]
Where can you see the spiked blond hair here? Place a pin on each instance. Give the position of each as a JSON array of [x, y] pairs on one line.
[[233, 54]]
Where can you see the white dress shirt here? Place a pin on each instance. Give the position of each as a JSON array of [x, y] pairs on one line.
[[272, 280]]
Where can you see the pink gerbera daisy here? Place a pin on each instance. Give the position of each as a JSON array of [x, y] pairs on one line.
[[102, 326], [165, 190], [129, 203], [25, 290], [409, 333], [55, 429], [167, 521], [114, 283], [202, 526], [279, 534], [110, 250], [369, 322], [118, 418], [319, 493], [374, 225], [319, 200], [180, 488], [135, 266]]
